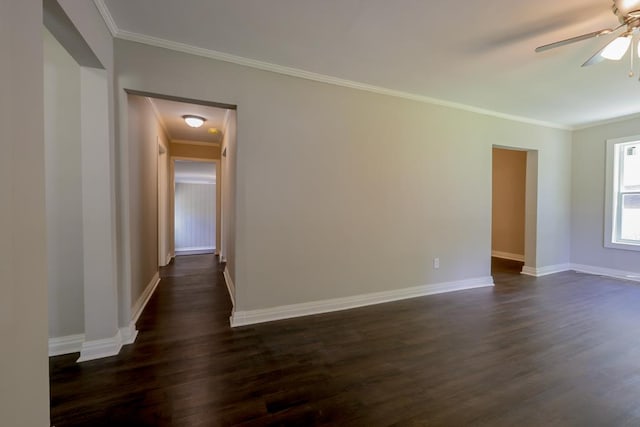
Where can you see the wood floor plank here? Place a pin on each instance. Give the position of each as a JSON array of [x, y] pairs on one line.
[[557, 350]]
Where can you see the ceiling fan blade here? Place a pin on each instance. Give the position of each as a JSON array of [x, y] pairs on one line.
[[574, 39], [596, 58], [616, 54]]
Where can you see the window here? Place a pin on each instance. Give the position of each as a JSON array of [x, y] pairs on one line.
[[622, 213]]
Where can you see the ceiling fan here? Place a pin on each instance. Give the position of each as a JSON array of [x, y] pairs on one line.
[[628, 13]]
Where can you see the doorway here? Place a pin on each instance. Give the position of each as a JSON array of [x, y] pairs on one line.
[[195, 207], [514, 183]]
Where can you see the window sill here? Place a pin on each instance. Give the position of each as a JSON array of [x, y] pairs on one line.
[[623, 246]]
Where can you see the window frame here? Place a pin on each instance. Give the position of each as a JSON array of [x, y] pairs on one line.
[[613, 195]]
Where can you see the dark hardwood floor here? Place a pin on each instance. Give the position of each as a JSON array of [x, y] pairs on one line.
[[558, 350]]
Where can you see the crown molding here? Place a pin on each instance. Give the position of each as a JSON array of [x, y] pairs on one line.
[[322, 78], [607, 121], [308, 75], [106, 17]]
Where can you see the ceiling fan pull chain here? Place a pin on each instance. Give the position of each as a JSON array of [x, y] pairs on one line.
[[636, 51], [633, 51]]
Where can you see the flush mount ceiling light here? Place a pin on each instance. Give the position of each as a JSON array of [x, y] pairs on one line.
[[628, 14], [194, 121]]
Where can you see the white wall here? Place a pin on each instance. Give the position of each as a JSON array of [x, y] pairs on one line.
[[343, 192], [64, 190], [89, 23], [195, 216], [87, 39], [587, 209], [24, 384], [98, 221]]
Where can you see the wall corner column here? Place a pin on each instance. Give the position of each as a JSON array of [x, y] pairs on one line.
[[102, 335]]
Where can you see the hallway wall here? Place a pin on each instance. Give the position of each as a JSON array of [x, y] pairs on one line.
[[144, 134]]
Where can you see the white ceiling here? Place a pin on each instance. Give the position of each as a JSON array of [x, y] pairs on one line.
[[195, 172], [476, 53], [170, 114]]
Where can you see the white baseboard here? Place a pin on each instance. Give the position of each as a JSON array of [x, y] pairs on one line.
[[195, 251], [142, 301], [249, 317], [608, 272], [546, 270], [65, 345], [169, 259], [507, 255], [92, 349], [98, 349], [129, 333], [231, 287], [75, 343]]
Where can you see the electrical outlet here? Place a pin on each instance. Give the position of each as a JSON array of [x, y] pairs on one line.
[[436, 263]]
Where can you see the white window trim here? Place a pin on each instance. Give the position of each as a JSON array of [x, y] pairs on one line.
[[610, 199]]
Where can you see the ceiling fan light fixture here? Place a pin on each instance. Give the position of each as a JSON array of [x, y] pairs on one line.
[[624, 8], [617, 48], [194, 121]]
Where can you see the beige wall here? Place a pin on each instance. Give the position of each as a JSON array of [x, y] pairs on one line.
[[508, 206], [195, 151], [24, 384], [343, 192], [144, 134]]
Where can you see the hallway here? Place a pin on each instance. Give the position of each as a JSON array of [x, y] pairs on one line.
[[174, 359], [561, 349]]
